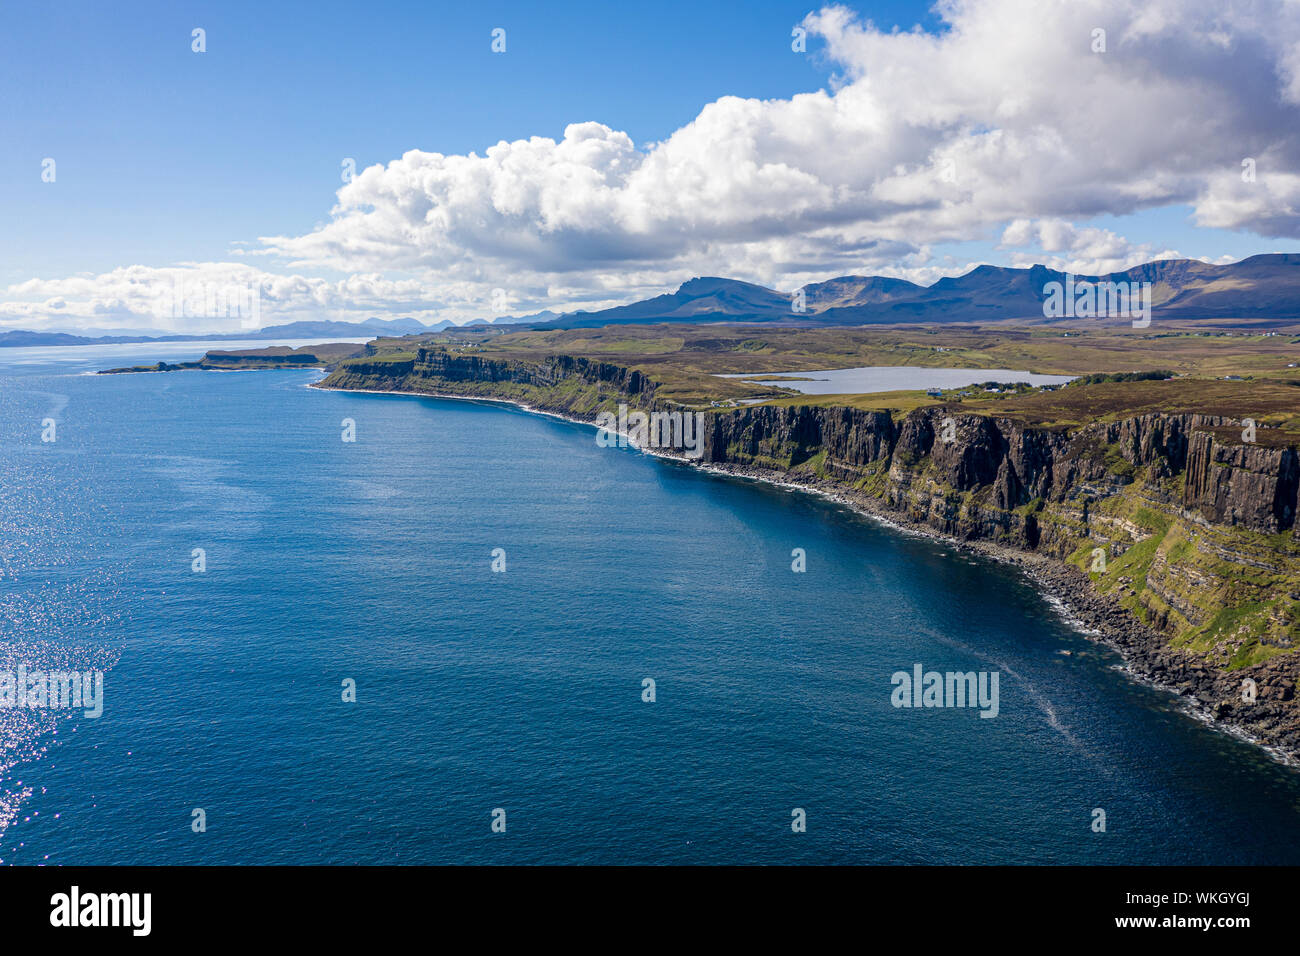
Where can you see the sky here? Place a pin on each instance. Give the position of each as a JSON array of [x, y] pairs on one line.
[[605, 152]]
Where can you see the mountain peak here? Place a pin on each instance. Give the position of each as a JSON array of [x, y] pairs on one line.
[[710, 285]]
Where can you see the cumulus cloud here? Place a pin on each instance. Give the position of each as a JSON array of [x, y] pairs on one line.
[[1086, 251], [1033, 113], [207, 297], [1013, 111]]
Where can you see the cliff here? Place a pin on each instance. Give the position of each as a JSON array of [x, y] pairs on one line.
[[1172, 534]]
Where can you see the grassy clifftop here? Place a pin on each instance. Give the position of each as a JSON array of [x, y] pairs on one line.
[[686, 361]]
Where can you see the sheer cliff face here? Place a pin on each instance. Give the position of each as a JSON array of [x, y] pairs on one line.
[[436, 365], [435, 371], [1196, 528], [1242, 485]]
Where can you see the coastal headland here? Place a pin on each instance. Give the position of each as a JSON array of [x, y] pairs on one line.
[[1155, 495]]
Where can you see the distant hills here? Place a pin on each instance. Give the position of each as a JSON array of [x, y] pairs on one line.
[[308, 329], [293, 330], [1264, 288], [1261, 290]]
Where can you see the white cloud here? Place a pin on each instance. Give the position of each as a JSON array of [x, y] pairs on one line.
[[1084, 251], [206, 297]]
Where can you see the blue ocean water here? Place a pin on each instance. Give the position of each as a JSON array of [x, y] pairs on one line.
[[522, 690]]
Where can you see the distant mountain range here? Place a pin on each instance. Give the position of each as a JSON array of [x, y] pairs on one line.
[[1261, 290], [292, 330], [20, 338], [1264, 288]]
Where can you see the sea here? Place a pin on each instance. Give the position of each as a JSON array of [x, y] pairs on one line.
[[470, 634]]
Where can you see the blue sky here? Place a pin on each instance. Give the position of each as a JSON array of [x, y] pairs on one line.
[[165, 156]]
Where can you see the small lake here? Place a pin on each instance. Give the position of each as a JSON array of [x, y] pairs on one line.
[[893, 378]]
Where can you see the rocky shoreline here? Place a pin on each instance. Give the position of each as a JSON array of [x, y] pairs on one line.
[[1212, 695]]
